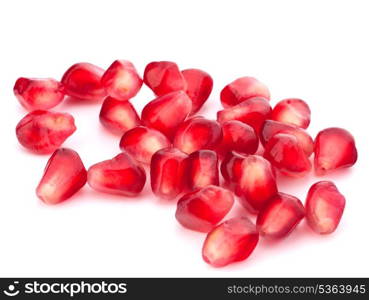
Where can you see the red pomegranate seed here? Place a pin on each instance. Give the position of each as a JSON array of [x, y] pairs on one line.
[[121, 80], [324, 207], [142, 142], [252, 112], [199, 87], [231, 241], [38, 93], [292, 111], [83, 81], [334, 149], [243, 89], [231, 169], [202, 169], [119, 175], [167, 172], [238, 137], [167, 112], [286, 154], [118, 116], [164, 77], [197, 133], [270, 128], [280, 215], [256, 184], [202, 209], [64, 175], [44, 131]]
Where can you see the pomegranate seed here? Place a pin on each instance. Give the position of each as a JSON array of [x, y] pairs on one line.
[[118, 116], [197, 133], [239, 137], [35, 93], [270, 128], [286, 154], [164, 77], [119, 175], [202, 209], [121, 80], [167, 172], [44, 131], [199, 87], [252, 112], [292, 111], [256, 184], [324, 207], [243, 89], [167, 112], [231, 241], [280, 215], [334, 149], [64, 175], [231, 168], [202, 169], [83, 81], [142, 142]]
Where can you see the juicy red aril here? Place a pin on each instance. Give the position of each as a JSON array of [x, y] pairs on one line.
[[121, 80], [324, 207], [334, 149], [286, 154], [35, 93], [202, 209], [167, 112], [119, 175], [199, 87], [167, 171], [231, 168], [83, 81], [44, 131], [231, 241], [292, 111], [252, 112], [202, 169], [238, 137], [256, 184], [142, 142], [64, 175], [270, 128], [243, 89], [197, 133], [280, 215], [118, 116], [164, 77]]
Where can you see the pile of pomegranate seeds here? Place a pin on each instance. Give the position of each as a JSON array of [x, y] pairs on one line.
[[186, 152]]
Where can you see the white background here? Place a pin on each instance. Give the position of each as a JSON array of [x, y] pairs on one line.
[[315, 50]]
